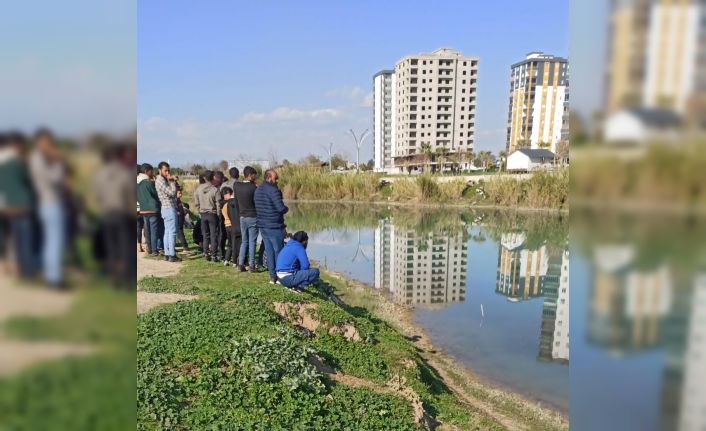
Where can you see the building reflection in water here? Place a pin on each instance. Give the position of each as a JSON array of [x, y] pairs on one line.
[[526, 273], [645, 308], [421, 269]]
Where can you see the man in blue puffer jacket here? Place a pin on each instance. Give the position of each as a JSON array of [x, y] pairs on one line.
[[293, 268], [270, 209]]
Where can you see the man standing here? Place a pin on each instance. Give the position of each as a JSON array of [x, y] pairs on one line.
[[270, 210], [166, 191], [206, 204], [48, 173], [234, 175], [148, 201], [245, 196], [16, 200]]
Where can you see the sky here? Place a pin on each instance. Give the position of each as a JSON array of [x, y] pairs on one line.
[[69, 65], [240, 79]]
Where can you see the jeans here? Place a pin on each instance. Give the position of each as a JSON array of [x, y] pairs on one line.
[[274, 241], [51, 216], [23, 240], [151, 231], [300, 279], [209, 229], [169, 216], [248, 230]]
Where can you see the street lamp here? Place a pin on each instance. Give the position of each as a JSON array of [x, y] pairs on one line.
[[330, 154], [358, 143]]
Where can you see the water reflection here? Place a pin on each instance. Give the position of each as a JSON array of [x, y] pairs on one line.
[[424, 269], [490, 288], [643, 319]]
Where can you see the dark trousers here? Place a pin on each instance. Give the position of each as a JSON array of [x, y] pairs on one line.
[[222, 235], [160, 232], [140, 227], [21, 229], [274, 241], [180, 232], [300, 279], [209, 229], [233, 247], [151, 222], [120, 255], [4, 236]]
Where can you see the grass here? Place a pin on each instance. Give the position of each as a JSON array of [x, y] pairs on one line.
[[94, 392], [542, 190], [659, 175], [229, 361]]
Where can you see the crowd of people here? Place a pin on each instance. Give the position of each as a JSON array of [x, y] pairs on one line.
[[42, 215], [231, 214]]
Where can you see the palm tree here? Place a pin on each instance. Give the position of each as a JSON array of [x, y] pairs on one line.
[[426, 150], [439, 155], [503, 159], [470, 156], [485, 158]]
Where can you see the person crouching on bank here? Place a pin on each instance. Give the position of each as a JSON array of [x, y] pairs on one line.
[[293, 269]]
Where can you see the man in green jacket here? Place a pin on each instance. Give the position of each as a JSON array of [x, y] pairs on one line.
[[149, 206], [17, 200]]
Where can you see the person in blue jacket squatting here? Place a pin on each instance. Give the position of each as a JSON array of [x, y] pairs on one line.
[[293, 270]]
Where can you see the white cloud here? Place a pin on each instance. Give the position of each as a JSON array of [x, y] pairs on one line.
[[284, 114], [294, 133], [347, 92], [368, 100]]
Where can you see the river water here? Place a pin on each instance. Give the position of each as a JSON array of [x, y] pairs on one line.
[[491, 288], [487, 292]]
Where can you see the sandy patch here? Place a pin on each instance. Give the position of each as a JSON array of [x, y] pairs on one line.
[[148, 300]]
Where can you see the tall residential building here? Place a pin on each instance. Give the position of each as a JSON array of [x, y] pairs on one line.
[[654, 47], [384, 120], [538, 114], [427, 270], [433, 102], [521, 271]]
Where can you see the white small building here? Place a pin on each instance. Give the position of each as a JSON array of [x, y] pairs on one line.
[[241, 164], [526, 159], [639, 125]]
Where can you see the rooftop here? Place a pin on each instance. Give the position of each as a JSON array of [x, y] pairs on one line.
[[536, 153]]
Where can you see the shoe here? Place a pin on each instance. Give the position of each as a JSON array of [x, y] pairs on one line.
[[208, 258], [155, 254], [273, 281], [166, 258], [241, 268], [226, 263], [174, 259]]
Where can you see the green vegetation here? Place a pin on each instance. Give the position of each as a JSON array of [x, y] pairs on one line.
[[86, 392], [542, 190], [304, 182], [229, 360], [660, 175]]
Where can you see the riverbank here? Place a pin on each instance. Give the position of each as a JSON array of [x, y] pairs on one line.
[[465, 384], [465, 206], [536, 191], [255, 354]]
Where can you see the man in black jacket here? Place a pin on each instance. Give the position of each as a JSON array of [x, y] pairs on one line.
[[244, 194]]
